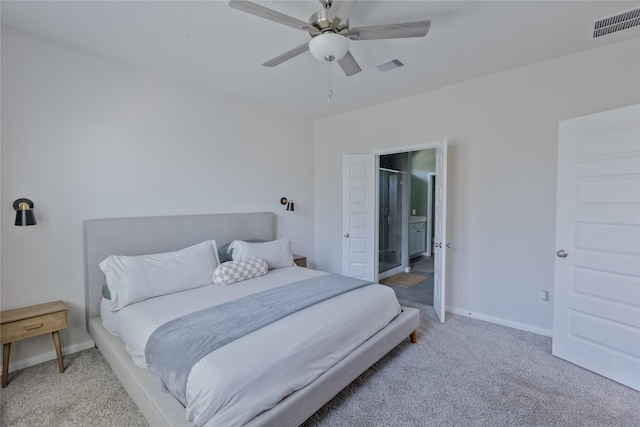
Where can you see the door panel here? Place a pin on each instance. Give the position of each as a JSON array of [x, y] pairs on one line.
[[440, 231], [597, 285], [358, 217]]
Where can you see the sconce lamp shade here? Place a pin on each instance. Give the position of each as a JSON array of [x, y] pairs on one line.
[[329, 47], [24, 212], [289, 203]]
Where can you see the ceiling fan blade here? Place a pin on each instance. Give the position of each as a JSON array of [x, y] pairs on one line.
[[341, 9], [270, 14], [287, 55], [390, 31], [349, 65]]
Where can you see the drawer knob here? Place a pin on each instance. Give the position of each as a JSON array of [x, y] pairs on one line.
[[32, 327]]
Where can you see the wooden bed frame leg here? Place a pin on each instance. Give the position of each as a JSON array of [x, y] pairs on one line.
[[414, 337]]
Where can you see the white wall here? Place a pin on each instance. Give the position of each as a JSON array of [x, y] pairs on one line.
[[502, 132], [85, 137]]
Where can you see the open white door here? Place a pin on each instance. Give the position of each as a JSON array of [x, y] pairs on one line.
[[596, 318], [358, 216], [440, 231]]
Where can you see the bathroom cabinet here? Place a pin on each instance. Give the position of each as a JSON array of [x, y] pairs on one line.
[[417, 238]]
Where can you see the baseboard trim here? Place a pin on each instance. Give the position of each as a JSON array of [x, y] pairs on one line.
[[500, 321], [50, 355]]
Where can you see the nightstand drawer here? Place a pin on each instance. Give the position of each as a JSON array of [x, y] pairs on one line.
[[31, 327], [26, 322]]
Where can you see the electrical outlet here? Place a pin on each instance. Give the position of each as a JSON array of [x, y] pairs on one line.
[[543, 296]]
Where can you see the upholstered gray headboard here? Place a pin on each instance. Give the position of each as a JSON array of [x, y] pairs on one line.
[[149, 235]]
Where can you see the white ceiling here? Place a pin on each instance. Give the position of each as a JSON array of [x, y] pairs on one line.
[[210, 44]]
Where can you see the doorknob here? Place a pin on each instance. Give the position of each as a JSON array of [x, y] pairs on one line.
[[346, 235], [562, 253]]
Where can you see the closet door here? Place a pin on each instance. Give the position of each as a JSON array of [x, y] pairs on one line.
[[596, 318]]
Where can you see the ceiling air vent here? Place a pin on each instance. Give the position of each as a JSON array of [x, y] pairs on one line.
[[614, 23], [391, 65]]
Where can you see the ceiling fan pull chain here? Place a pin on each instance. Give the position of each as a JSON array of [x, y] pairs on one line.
[[330, 82]]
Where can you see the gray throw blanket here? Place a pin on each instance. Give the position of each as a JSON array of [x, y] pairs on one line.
[[175, 347]]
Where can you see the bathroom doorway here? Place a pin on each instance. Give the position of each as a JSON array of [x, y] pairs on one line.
[[360, 195], [406, 182]]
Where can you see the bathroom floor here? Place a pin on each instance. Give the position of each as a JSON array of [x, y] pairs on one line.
[[421, 293]]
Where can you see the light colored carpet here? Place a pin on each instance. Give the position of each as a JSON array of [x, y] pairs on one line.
[[86, 394], [404, 280], [465, 372]]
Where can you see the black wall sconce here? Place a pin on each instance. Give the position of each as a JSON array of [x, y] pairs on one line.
[[289, 203], [24, 212]]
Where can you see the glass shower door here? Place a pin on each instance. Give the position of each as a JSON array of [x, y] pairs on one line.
[[390, 226]]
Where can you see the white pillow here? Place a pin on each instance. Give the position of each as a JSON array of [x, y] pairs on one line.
[[237, 271], [276, 253], [136, 278]]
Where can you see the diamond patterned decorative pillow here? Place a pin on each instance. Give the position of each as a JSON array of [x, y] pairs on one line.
[[237, 271]]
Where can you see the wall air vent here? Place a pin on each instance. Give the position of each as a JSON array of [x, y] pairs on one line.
[[614, 23], [391, 65]]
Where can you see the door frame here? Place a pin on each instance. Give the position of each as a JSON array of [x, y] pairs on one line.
[[440, 310], [396, 150], [369, 265]]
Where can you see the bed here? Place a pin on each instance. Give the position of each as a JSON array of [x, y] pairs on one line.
[[152, 235]]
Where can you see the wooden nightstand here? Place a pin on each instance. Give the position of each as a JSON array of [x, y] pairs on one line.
[[299, 260], [28, 322]]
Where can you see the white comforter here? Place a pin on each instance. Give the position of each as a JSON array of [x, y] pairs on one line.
[[252, 374]]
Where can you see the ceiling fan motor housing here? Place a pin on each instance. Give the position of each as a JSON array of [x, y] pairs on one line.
[[327, 43], [320, 23]]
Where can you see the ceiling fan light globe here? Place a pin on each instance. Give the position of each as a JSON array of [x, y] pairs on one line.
[[328, 47]]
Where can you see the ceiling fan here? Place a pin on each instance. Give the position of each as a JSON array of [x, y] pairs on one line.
[[330, 32]]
